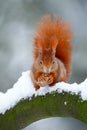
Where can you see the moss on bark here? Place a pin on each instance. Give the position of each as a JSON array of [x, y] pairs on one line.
[[51, 105]]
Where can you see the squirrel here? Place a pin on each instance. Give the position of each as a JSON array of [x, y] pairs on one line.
[[52, 50]]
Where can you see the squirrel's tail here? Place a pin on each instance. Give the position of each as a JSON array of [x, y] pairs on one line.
[[64, 53]]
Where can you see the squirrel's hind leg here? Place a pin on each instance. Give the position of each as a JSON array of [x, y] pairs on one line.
[[52, 84], [37, 87]]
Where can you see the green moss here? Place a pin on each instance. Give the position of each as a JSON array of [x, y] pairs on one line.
[[51, 105]]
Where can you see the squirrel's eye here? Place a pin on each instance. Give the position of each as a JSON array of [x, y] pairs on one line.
[[53, 62], [40, 62]]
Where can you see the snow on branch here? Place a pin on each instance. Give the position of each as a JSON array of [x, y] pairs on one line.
[[24, 89]]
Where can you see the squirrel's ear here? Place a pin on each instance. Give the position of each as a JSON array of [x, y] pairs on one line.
[[53, 52], [40, 50], [54, 42]]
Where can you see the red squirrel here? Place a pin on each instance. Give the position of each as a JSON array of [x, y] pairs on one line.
[[52, 50]]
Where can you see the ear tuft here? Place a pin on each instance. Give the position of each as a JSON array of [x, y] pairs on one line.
[[54, 42]]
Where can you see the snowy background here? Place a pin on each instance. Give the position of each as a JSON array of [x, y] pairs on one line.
[[18, 20]]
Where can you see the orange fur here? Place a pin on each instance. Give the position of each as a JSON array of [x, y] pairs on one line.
[[53, 34]]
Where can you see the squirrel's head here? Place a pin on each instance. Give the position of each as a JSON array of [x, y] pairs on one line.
[[45, 49], [47, 61]]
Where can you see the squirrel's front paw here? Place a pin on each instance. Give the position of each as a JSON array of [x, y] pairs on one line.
[[45, 80], [49, 79], [42, 81]]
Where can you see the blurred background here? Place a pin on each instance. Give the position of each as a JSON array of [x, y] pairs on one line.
[[18, 21]]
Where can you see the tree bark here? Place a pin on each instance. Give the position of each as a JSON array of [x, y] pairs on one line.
[[51, 105]]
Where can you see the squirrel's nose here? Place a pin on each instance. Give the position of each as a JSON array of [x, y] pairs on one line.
[[46, 70]]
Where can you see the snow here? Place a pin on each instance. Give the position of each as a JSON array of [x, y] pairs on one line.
[[24, 89], [65, 103]]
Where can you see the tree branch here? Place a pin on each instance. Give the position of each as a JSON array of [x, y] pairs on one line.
[[51, 105]]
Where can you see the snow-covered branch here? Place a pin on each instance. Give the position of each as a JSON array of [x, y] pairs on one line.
[[22, 104]]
